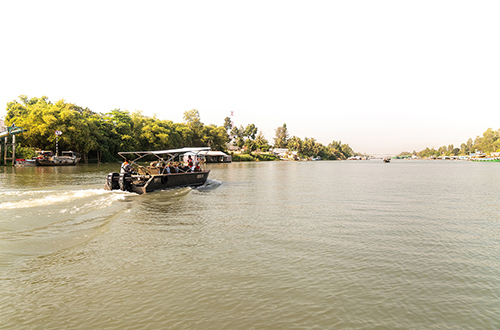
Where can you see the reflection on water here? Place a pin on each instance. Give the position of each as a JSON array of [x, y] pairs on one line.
[[277, 245]]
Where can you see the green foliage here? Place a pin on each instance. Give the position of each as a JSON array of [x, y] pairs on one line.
[[265, 157], [22, 152], [101, 136], [248, 137], [488, 143], [243, 158], [340, 150], [281, 138], [262, 142], [228, 125], [309, 148], [192, 118], [250, 131], [405, 154]]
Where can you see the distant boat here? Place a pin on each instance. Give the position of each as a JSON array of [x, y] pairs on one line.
[[47, 158], [387, 159], [25, 162]]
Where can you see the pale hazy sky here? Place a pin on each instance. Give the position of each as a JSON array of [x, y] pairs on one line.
[[383, 76]]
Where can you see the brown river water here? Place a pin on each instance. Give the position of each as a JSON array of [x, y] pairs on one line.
[[270, 245]]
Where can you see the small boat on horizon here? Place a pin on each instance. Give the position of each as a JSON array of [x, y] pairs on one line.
[[163, 173], [387, 159]]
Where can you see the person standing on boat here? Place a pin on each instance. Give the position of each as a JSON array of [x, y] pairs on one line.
[[126, 167], [189, 162]]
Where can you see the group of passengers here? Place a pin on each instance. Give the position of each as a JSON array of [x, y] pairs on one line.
[[169, 168], [164, 167]]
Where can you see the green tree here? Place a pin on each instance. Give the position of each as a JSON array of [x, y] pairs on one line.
[[250, 131], [295, 144], [192, 118], [215, 137], [228, 124], [238, 135], [470, 145], [122, 130], [281, 138], [262, 142]]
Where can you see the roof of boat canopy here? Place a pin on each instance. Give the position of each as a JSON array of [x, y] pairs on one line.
[[208, 153], [170, 152]]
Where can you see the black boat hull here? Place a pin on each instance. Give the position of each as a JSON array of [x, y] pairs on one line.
[[142, 184]]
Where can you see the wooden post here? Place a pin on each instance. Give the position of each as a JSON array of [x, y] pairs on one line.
[[6, 147], [5, 151], [13, 149]]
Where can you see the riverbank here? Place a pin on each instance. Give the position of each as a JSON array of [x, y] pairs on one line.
[[237, 157]]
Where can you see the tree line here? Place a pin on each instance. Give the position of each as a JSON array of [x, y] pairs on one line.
[[100, 136], [489, 142], [309, 147]]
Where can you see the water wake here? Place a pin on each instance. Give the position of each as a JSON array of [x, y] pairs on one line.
[[37, 198], [43, 221], [210, 184]]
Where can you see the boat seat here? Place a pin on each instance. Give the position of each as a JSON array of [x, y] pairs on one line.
[[153, 170]]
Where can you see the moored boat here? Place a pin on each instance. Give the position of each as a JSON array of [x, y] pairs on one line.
[[47, 158], [25, 162], [162, 174]]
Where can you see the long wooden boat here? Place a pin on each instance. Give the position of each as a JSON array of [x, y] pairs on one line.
[[162, 176], [47, 158]]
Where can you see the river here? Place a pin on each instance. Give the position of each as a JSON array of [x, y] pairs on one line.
[[264, 245]]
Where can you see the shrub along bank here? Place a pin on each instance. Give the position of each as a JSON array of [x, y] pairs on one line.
[[253, 157]]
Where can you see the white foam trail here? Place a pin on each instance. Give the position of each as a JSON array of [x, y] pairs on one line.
[[56, 197], [209, 185], [23, 192]]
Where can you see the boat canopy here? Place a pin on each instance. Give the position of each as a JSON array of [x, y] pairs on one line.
[[172, 153]]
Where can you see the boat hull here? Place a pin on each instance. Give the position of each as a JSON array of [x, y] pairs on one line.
[[57, 161], [25, 163], [142, 184], [42, 162]]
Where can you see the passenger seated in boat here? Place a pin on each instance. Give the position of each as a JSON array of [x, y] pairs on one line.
[[166, 169], [197, 167], [192, 168]]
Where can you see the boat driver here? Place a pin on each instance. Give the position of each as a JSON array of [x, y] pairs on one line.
[[126, 167]]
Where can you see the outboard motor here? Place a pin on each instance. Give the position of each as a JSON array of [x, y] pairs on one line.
[[112, 181], [125, 181]]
